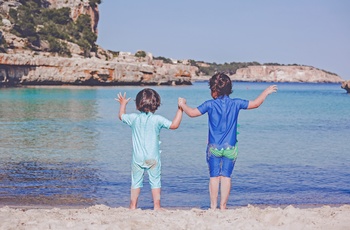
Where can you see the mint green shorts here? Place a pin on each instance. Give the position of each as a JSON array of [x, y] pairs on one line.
[[138, 172]]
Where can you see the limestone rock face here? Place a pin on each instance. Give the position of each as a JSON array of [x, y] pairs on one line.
[[5, 5], [346, 85], [78, 7], [285, 74], [24, 69], [280, 74]]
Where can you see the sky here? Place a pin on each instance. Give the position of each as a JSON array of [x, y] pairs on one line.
[[305, 32]]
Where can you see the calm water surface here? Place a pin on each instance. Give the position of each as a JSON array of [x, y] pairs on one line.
[[66, 146]]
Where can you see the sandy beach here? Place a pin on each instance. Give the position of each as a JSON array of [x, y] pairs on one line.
[[104, 217]]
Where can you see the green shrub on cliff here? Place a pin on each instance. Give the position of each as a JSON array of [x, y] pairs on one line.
[[164, 59], [58, 46], [34, 21], [59, 16], [94, 2], [3, 44], [140, 53], [85, 38]]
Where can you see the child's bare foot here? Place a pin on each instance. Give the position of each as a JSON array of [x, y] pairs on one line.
[[132, 206]]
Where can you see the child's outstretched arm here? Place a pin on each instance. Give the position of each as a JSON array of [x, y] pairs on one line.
[[191, 112], [177, 119], [123, 101], [261, 98]]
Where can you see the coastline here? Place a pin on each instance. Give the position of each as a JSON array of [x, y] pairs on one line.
[[247, 217]]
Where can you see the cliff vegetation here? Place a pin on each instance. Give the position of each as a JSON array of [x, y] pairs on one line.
[[49, 29]]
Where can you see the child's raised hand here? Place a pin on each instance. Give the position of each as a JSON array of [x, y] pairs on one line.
[[122, 98], [271, 89]]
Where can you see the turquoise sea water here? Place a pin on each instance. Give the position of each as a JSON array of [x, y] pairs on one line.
[[66, 146]]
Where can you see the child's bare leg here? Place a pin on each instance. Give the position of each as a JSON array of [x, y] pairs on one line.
[[134, 196], [156, 198], [214, 191], [225, 189]]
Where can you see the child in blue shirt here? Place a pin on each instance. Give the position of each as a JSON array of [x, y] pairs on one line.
[[146, 127], [222, 138]]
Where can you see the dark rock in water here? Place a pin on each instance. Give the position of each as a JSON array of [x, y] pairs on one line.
[[346, 85]]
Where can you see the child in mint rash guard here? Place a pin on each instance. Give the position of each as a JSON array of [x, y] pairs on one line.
[[146, 127], [222, 140]]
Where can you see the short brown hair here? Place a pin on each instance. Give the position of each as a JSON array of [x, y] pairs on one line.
[[221, 84], [147, 100]]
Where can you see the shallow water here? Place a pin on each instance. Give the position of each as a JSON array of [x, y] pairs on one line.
[[66, 146]]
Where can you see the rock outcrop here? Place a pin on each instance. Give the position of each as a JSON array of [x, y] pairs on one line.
[[278, 73], [20, 69], [78, 7], [22, 66], [346, 85], [285, 74]]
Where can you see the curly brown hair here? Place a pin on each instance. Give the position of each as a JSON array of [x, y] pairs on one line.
[[221, 84], [147, 100]]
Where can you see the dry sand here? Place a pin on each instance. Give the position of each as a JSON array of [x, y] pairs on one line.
[[103, 217]]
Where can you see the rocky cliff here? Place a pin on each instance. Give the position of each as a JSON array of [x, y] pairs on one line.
[[346, 85], [19, 69], [78, 7], [278, 73], [285, 74], [21, 65]]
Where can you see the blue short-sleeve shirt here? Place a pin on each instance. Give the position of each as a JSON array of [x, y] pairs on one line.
[[222, 120], [145, 135]]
